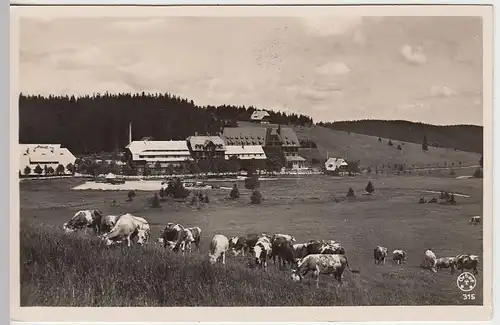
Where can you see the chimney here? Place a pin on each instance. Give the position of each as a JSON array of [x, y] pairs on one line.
[[130, 132]]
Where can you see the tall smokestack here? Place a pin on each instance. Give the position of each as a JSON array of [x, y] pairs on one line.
[[130, 132]]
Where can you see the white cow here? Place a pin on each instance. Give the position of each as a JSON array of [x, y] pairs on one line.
[[430, 260], [127, 227], [218, 248]]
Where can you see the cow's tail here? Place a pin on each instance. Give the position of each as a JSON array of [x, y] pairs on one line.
[[349, 267]]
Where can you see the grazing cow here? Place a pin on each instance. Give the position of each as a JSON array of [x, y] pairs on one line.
[[175, 237], [285, 252], [445, 263], [108, 222], [85, 219], [276, 243], [468, 262], [194, 235], [380, 254], [238, 245], [314, 247], [127, 227], [399, 256], [290, 238], [475, 220], [430, 260], [322, 264], [218, 248], [262, 251]]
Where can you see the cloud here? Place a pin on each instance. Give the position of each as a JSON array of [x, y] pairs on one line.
[[442, 91], [414, 56], [331, 25], [334, 68]]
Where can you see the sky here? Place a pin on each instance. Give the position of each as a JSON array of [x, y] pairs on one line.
[[332, 68]]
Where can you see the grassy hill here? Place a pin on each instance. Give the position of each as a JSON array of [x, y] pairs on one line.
[[372, 153], [461, 137]]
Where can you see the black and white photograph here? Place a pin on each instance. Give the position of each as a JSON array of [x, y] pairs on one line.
[[253, 157]]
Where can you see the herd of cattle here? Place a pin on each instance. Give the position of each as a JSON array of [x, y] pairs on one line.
[[317, 256]]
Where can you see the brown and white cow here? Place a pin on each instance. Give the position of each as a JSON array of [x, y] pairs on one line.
[[446, 263], [380, 254], [467, 261], [238, 245], [219, 245], [174, 237], [193, 236], [85, 219], [127, 228], [262, 251], [327, 264], [475, 220], [399, 256]]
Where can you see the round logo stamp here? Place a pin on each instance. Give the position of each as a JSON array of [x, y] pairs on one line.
[[466, 282]]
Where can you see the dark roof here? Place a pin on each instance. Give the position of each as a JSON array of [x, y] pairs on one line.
[[257, 136]]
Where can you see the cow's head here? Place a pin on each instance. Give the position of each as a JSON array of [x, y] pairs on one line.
[[296, 277], [67, 228], [292, 239], [212, 258], [142, 236]]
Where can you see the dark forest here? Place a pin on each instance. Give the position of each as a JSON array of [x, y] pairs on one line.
[[99, 123]]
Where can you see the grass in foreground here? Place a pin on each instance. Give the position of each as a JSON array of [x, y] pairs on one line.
[[64, 270]]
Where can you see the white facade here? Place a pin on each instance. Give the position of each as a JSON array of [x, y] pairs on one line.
[[245, 152], [296, 162], [164, 152], [333, 164], [50, 155]]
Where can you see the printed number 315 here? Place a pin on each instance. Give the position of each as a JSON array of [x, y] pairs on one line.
[[469, 296]]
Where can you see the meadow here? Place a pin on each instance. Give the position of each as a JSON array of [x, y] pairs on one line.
[[77, 270]]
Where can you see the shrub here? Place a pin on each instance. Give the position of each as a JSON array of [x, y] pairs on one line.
[[379, 139], [399, 147], [38, 170], [206, 199], [70, 168], [252, 182], [130, 195], [60, 169], [176, 189], [353, 166], [350, 193], [27, 170], [50, 170], [235, 193], [155, 201], [369, 187], [478, 173], [425, 144], [389, 143], [256, 197], [452, 172], [162, 194]]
